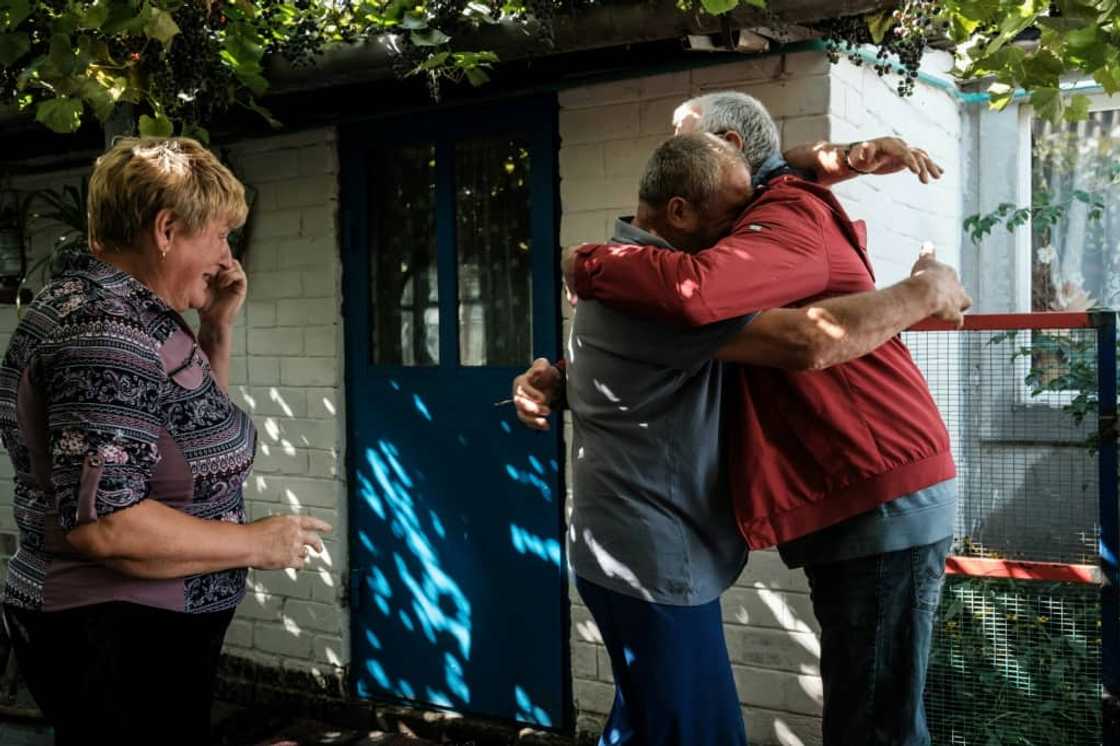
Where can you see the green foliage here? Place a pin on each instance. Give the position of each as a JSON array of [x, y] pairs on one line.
[[183, 63], [188, 61], [1027, 45], [1016, 662], [1060, 362], [65, 209], [1074, 37]]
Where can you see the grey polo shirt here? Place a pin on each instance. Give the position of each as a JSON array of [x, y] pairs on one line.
[[651, 516]]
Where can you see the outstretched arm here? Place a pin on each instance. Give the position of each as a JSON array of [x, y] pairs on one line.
[[833, 163]]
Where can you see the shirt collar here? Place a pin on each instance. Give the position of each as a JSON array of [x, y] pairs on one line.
[[771, 165], [118, 282], [626, 232]]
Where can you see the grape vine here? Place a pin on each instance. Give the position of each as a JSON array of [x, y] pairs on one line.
[[183, 63], [901, 34]]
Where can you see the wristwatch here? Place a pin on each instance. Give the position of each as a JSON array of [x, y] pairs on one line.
[[848, 157]]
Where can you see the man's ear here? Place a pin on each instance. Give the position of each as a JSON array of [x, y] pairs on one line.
[[735, 139], [681, 215]]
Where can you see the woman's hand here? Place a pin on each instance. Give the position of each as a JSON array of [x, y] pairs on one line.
[[227, 294], [283, 541]]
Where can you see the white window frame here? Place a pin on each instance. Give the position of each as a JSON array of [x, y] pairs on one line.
[[1024, 256]]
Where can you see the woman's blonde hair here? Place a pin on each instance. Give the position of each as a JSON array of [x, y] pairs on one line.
[[139, 176]]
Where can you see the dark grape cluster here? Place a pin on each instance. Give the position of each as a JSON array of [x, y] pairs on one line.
[[914, 22], [301, 43], [447, 15], [405, 56], [189, 79], [543, 12]]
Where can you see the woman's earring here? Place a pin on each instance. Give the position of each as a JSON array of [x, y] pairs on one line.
[[163, 252]]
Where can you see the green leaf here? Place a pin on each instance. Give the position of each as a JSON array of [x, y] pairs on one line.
[[123, 18], [434, 61], [96, 15], [757, 3], [1042, 69], [1047, 104], [476, 76], [13, 13], [1078, 108], [99, 98], [1001, 95], [254, 81], [961, 28], [1061, 24], [719, 7], [878, 25], [157, 126], [63, 115], [13, 45], [414, 22], [243, 50], [161, 26], [1087, 47], [60, 59], [431, 38], [196, 132], [1109, 78]]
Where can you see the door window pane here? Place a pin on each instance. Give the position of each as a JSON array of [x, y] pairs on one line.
[[403, 267], [495, 288]]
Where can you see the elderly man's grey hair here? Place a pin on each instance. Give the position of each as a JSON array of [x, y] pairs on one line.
[[731, 110], [689, 166]]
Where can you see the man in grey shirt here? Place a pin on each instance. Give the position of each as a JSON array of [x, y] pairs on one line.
[[652, 540], [645, 401]]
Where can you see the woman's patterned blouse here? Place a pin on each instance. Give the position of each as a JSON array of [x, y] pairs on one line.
[[106, 400]]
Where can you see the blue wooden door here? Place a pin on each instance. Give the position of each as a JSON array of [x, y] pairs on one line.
[[458, 586]]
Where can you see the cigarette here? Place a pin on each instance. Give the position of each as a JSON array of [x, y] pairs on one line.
[[503, 402]]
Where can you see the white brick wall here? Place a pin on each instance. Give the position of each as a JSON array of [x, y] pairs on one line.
[[607, 132], [293, 386], [901, 212]]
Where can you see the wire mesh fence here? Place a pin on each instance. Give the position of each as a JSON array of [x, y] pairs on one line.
[[1015, 662], [1019, 661], [1021, 408]]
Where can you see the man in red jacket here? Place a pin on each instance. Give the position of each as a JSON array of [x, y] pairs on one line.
[[846, 469]]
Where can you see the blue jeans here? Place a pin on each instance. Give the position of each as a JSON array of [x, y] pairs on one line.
[[876, 615], [673, 681]]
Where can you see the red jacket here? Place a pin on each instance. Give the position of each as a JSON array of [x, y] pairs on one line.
[[806, 449]]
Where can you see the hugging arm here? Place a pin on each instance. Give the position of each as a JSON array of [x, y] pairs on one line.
[[836, 330], [772, 258]]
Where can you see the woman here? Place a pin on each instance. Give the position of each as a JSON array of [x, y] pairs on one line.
[[130, 457]]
